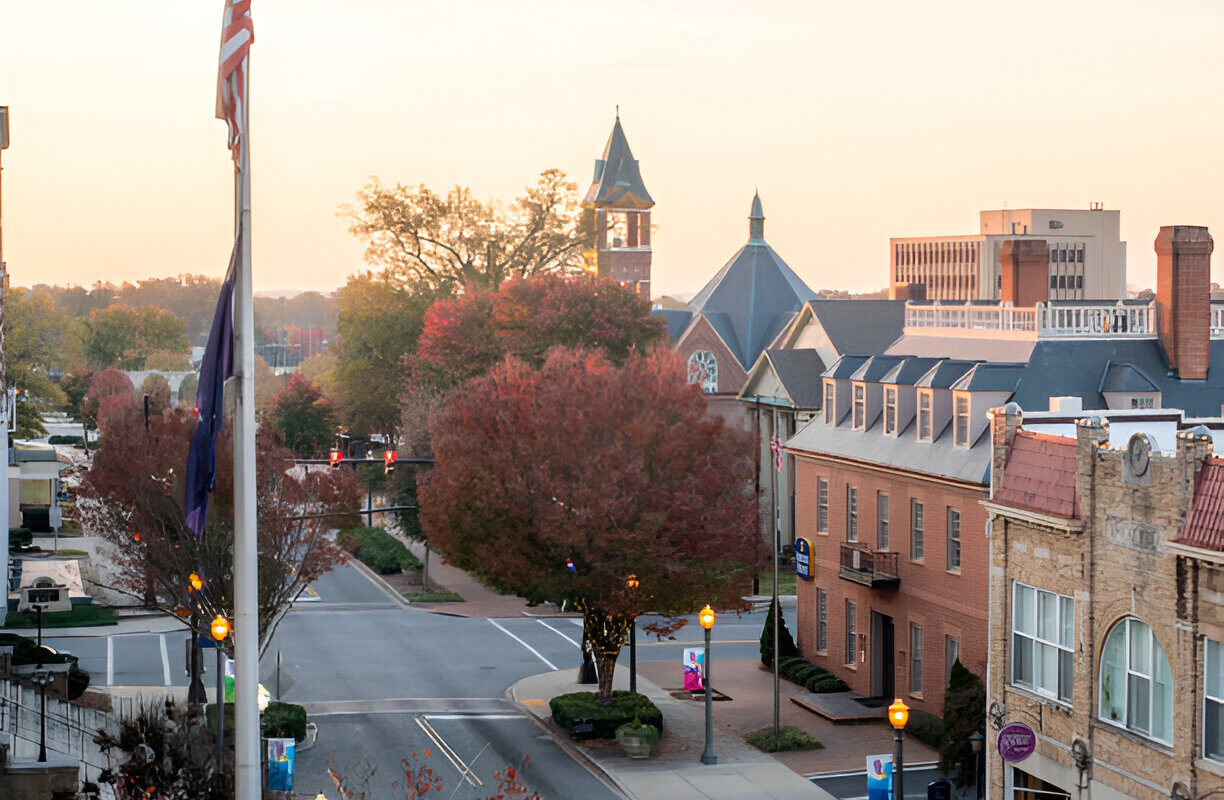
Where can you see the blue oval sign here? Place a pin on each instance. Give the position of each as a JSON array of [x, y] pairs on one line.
[[803, 558]]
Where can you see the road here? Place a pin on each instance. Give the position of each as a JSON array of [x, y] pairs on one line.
[[853, 785]]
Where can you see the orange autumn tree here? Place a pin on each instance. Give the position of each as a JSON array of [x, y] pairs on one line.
[[615, 469]]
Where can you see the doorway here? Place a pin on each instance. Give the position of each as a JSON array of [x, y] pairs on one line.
[[882, 654]]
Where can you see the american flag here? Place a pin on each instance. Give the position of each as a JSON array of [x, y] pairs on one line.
[[776, 447], [237, 33]]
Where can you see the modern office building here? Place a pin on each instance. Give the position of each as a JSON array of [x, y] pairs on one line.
[[1086, 258]]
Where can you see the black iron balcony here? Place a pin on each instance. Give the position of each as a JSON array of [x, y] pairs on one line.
[[875, 568]]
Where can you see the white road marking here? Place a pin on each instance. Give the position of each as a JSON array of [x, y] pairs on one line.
[[472, 716], [110, 661], [535, 652], [559, 633], [165, 659], [464, 770]]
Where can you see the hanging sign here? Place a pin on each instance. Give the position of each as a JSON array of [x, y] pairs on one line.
[[879, 777], [1017, 742], [803, 558], [694, 669]]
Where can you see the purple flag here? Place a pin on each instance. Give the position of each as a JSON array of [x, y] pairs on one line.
[[218, 364]]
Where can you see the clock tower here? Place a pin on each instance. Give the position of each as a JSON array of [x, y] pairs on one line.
[[619, 206]]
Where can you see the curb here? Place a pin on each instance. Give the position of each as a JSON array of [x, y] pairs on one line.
[[377, 580], [573, 751]]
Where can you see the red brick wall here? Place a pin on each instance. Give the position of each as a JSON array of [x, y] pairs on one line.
[[1183, 298], [942, 603], [1025, 265], [731, 375]]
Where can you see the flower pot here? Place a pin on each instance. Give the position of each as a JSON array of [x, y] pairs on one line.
[[635, 745]]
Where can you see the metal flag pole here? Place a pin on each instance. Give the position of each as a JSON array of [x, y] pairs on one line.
[[777, 536], [247, 784]]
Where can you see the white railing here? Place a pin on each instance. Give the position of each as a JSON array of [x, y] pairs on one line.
[[971, 317], [1217, 321], [1112, 319]]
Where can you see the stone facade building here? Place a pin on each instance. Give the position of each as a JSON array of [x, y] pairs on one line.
[[1105, 608]]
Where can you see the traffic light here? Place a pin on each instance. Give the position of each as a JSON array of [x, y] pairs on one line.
[[335, 457], [388, 461]]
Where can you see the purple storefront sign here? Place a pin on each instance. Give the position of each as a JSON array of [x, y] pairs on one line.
[[1017, 742]]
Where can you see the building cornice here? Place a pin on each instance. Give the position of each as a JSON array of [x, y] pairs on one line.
[[871, 466], [1200, 553], [1035, 517]]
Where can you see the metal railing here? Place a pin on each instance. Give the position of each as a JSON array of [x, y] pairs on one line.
[[876, 564], [970, 317], [1217, 321], [1105, 319]]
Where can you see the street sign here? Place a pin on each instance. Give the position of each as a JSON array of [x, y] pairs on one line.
[[803, 558]]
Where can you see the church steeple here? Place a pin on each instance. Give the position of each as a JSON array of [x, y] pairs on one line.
[[756, 221], [619, 206]]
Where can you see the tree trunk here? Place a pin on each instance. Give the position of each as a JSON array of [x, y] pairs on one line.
[[425, 570], [606, 633]]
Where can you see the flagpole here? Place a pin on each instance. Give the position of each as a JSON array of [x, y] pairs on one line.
[[247, 778]]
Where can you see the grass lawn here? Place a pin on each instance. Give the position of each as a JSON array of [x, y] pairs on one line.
[[439, 596], [78, 617], [786, 580]]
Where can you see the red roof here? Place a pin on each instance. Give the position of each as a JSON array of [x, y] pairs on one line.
[[1205, 525], [1039, 475]]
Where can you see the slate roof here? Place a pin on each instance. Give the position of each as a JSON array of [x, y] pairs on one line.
[[618, 180], [986, 377], [1039, 475], [1079, 367], [909, 371], [751, 299], [864, 327], [676, 320], [875, 368], [1205, 523], [944, 374], [940, 457], [799, 373], [1120, 377], [845, 366]]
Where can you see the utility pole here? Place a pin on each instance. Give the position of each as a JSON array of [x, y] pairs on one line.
[[4, 404]]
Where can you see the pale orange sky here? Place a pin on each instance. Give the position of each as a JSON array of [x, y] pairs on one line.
[[857, 121]]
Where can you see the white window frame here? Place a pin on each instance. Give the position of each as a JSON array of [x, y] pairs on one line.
[[961, 414], [954, 539], [951, 654], [851, 513], [926, 403], [1213, 697], [915, 671], [858, 406], [890, 410], [917, 523], [706, 379], [883, 512], [822, 504], [851, 633], [1047, 643], [830, 403], [1135, 674]]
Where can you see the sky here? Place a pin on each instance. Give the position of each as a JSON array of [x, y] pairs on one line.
[[856, 121]]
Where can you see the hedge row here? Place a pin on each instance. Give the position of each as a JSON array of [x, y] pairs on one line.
[[61, 439], [282, 720], [811, 677], [379, 550], [605, 719]]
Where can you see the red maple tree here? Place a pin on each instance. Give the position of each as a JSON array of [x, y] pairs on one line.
[[615, 470], [133, 497]]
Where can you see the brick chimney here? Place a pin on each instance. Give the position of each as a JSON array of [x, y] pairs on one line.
[[1025, 265], [1183, 298]]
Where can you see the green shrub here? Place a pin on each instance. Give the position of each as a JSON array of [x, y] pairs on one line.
[[786, 663], [648, 733], [786, 642], [625, 707], [964, 714], [379, 550], [788, 738], [827, 684], [800, 673], [20, 537], [284, 720], [926, 728], [61, 439]]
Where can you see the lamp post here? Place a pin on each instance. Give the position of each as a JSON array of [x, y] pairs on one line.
[[706, 618], [633, 583], [220, 628], [195, 691], [898, 715], [41, 675], [975, 744]]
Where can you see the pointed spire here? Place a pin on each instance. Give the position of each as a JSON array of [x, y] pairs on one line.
[[617, 178], [756, 220]]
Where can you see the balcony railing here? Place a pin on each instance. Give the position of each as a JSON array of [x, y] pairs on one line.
[[875, 568], [1217, 321], [1106, 319], [971, 317]]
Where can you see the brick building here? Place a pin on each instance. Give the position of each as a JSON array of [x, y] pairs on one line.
[[1105, 603], [619, 208], [889, 476]]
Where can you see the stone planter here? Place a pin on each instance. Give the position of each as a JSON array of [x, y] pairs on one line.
[[634, 744]]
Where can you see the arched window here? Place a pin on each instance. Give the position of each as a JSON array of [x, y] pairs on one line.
[[1136, 683], [703, 370]]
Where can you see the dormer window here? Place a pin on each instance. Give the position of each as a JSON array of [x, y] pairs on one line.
[[890, 409], [961, 420], [829, 395], [860, 406], [924, 416]]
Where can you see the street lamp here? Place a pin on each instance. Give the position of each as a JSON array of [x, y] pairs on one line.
[[898, 715], [195, 691], [975, 744], [220, 628], [706, 618], [633, 583], [41, 674]]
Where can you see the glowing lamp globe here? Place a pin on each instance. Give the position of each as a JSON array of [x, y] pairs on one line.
[[898, 714], [220, 628], [195, 581], [706, 617]]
